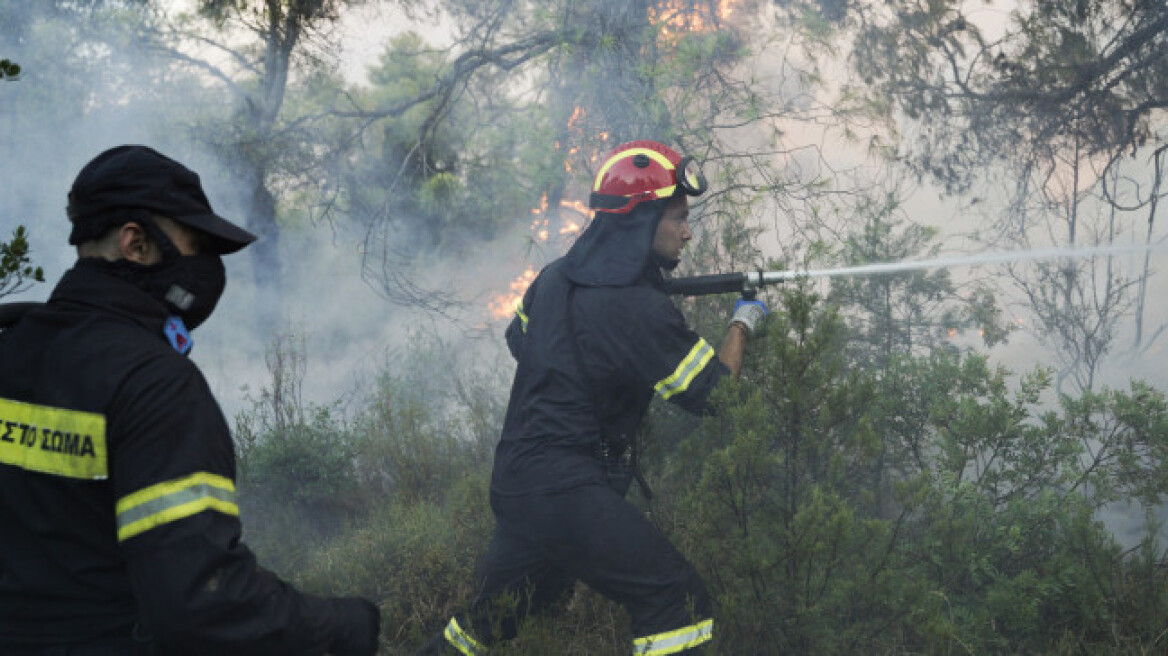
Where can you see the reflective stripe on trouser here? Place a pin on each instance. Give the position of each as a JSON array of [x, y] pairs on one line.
[[672, 642], [543, 543], [462, 640]]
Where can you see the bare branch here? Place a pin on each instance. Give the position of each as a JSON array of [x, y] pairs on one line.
[[463, 67]]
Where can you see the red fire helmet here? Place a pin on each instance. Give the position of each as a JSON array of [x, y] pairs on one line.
[[638, 171]]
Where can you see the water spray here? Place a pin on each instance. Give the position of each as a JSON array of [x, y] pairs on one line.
[[749, 282]]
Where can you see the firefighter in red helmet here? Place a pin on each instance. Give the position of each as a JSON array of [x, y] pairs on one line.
[[595, 338], [120, 529]]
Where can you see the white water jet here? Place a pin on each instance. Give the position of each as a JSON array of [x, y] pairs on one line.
[[759, 278]]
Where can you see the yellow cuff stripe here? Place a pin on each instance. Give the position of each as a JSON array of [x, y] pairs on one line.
[[51, 440], [462, 641], [174, 500], [674, 641], [679, 381]]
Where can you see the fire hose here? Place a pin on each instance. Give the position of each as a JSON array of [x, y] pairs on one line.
[[746, 283]]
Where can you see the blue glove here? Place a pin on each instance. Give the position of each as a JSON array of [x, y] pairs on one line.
[[749, 313]]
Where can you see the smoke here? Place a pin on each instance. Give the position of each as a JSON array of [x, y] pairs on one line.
[[80, 95], [76, 101]]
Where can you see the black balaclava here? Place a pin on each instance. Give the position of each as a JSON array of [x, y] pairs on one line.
[[616, 248], [189, 285]]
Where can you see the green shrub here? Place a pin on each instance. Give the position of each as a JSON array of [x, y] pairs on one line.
[[930, 506]]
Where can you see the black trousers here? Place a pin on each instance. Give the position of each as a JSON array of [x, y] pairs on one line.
[[100, 648], [129, 642], [543, 543]]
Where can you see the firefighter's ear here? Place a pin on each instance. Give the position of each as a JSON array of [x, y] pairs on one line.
[[135, 245]]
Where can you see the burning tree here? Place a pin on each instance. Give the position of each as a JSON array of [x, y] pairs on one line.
[[537, 92]]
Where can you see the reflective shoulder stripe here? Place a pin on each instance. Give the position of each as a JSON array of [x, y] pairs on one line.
[[522, 317], [674, 641], [678, 381], [174, 500], [462, 641], [40, 438]]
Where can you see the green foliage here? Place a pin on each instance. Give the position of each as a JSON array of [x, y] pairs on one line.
[[16, 269], [457, 170], [390, 503], [927, 507], [9, 70], [415, 558], [934, 505]]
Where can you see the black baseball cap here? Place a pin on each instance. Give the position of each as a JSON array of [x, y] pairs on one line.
[[141, 178]]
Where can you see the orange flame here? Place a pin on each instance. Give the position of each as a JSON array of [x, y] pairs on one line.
[[504, 305], [575, 205], [675, 16], [577, 114]]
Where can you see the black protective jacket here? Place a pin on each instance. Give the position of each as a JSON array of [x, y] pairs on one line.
[[117, 496], [632, 343]]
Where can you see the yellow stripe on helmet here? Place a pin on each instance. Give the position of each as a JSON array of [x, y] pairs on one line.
[[633, 152]]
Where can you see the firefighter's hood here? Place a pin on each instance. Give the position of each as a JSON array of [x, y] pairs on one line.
[[615, 248]]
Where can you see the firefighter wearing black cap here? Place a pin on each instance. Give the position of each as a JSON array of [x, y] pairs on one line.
[[595, 338], [120, 531]]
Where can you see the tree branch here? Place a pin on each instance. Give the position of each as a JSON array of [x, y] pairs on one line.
[[466, 64]]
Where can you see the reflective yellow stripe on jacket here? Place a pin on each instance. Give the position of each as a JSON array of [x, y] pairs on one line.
[[56, 441], [679, 381], [174, 500], [674, 641], [522, 317]]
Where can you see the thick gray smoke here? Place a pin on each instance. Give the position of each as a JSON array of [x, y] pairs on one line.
[[83, 90], [76, 100]]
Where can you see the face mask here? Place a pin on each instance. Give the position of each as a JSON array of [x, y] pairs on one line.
[[189, 285]]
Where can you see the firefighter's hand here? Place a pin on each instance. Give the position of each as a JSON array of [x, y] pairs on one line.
[[358, 627], [750, 313]]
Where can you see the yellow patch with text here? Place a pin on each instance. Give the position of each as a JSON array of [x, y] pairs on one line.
[[56, 441]]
